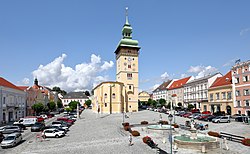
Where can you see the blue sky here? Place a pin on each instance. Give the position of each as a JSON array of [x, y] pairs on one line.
[[74, 41]]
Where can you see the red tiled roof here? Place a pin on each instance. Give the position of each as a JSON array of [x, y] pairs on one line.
[[179, 83], [222, 81], [8, 84], [163, 86], [23, 87]]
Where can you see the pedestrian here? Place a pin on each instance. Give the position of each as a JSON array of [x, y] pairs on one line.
[[226, 143], [130, 140]]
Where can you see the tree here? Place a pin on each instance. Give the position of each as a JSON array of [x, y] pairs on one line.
[[59, 90], [59, 104], [68, 109], [87, 93], [190, 106], [179, 104], [150, 102], [154, 103], [73, 104], [51, 106], [162, 101], [88, 102], [38, 107]]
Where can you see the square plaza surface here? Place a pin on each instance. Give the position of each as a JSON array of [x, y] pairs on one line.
[[103, 133]]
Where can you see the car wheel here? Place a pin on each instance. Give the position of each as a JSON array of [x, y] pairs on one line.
[[228, 121], [56, 136], [14, 144], [218, 121]]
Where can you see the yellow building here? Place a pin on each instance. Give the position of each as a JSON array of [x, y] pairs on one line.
[[126, 87], [144, 96], [220, 96]]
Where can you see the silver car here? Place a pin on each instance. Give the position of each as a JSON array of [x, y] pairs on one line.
[[9, 129], [221, 119], [11, 140]]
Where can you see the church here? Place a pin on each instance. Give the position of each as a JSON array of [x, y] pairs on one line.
[[121, 95]]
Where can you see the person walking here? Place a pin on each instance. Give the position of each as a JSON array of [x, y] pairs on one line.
[[130, 140]]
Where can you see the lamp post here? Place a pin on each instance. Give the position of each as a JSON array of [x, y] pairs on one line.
[[170, 118]]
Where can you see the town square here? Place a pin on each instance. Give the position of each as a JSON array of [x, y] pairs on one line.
[[124, 77]]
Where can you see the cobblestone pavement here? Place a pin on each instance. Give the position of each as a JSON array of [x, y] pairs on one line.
[[103, 133]]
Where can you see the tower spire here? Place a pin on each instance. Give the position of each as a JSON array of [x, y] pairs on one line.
[[126, 14]]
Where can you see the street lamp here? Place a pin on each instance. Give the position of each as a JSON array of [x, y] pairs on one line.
[[170, 118]]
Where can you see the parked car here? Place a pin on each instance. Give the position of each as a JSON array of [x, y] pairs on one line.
[[9, 129], [193, 115], [53, 133], [221, 119], [11, 140], [44, 116], [66, 120], [63, 123], [27, 121], [187, 114], [240, 118], [22, 126], [37, 127], [209, 118], [235, 116], [203, 116]]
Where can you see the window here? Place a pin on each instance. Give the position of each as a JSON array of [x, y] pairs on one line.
[[217, 96], [246, 92], [237, 80], [105, 104], [237, 93], [245, 78], [130, 87], [205, 107], [238, 103], [113, 95], [129, 66], [105, 95], [223, 95], [129, 76], [247, 102], [211, 97], [229, 95]]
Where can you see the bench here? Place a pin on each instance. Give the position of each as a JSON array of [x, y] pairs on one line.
[[231, 137]]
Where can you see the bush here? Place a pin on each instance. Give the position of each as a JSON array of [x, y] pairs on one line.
[[135, 133], [246, 142], [164, 122], [144, 123], [215, 134], [175, 125], [127, 128], [125, 124], [146, 139]]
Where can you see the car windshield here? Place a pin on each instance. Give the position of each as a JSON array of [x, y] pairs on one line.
[[9, 138]]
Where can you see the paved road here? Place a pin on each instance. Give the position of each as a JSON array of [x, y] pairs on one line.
[[103, 134]]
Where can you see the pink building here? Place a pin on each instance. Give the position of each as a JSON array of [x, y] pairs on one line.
[[241, 86]]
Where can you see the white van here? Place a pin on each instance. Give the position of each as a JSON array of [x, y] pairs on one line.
[[26, 121]]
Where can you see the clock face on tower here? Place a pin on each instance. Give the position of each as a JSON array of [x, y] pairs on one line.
[[129, 58]]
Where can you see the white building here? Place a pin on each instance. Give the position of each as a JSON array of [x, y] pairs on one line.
[[162, 92], [74, 96], [196, 91], [12, 102]]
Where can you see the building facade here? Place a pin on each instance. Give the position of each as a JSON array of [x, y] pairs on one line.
[[176, 91], [143, 96], [162, 91], [12, 102], [196, 91], [127, 54], [220, 96], [74, 96], [241, 86]]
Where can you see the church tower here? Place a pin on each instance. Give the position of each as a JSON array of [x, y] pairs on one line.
[[127, 53]]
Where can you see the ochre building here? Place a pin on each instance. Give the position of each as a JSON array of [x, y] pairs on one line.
[[121, 95]]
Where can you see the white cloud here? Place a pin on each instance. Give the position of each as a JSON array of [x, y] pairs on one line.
[[164, 76], [26, 81], [201, 71], [82, 77], [183, 75], [230, 63], [244, 31]]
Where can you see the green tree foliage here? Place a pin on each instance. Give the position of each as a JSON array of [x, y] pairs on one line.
[[59, 104], [38, 107], [51, 106], [154, 103], [87, 93], [58, 89], [190, 106], [73, 104], [88, 102], [150, 102], [68, 109], [162, 101]]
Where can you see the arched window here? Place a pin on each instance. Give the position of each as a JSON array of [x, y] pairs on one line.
[[105, 95], [113, 95]]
